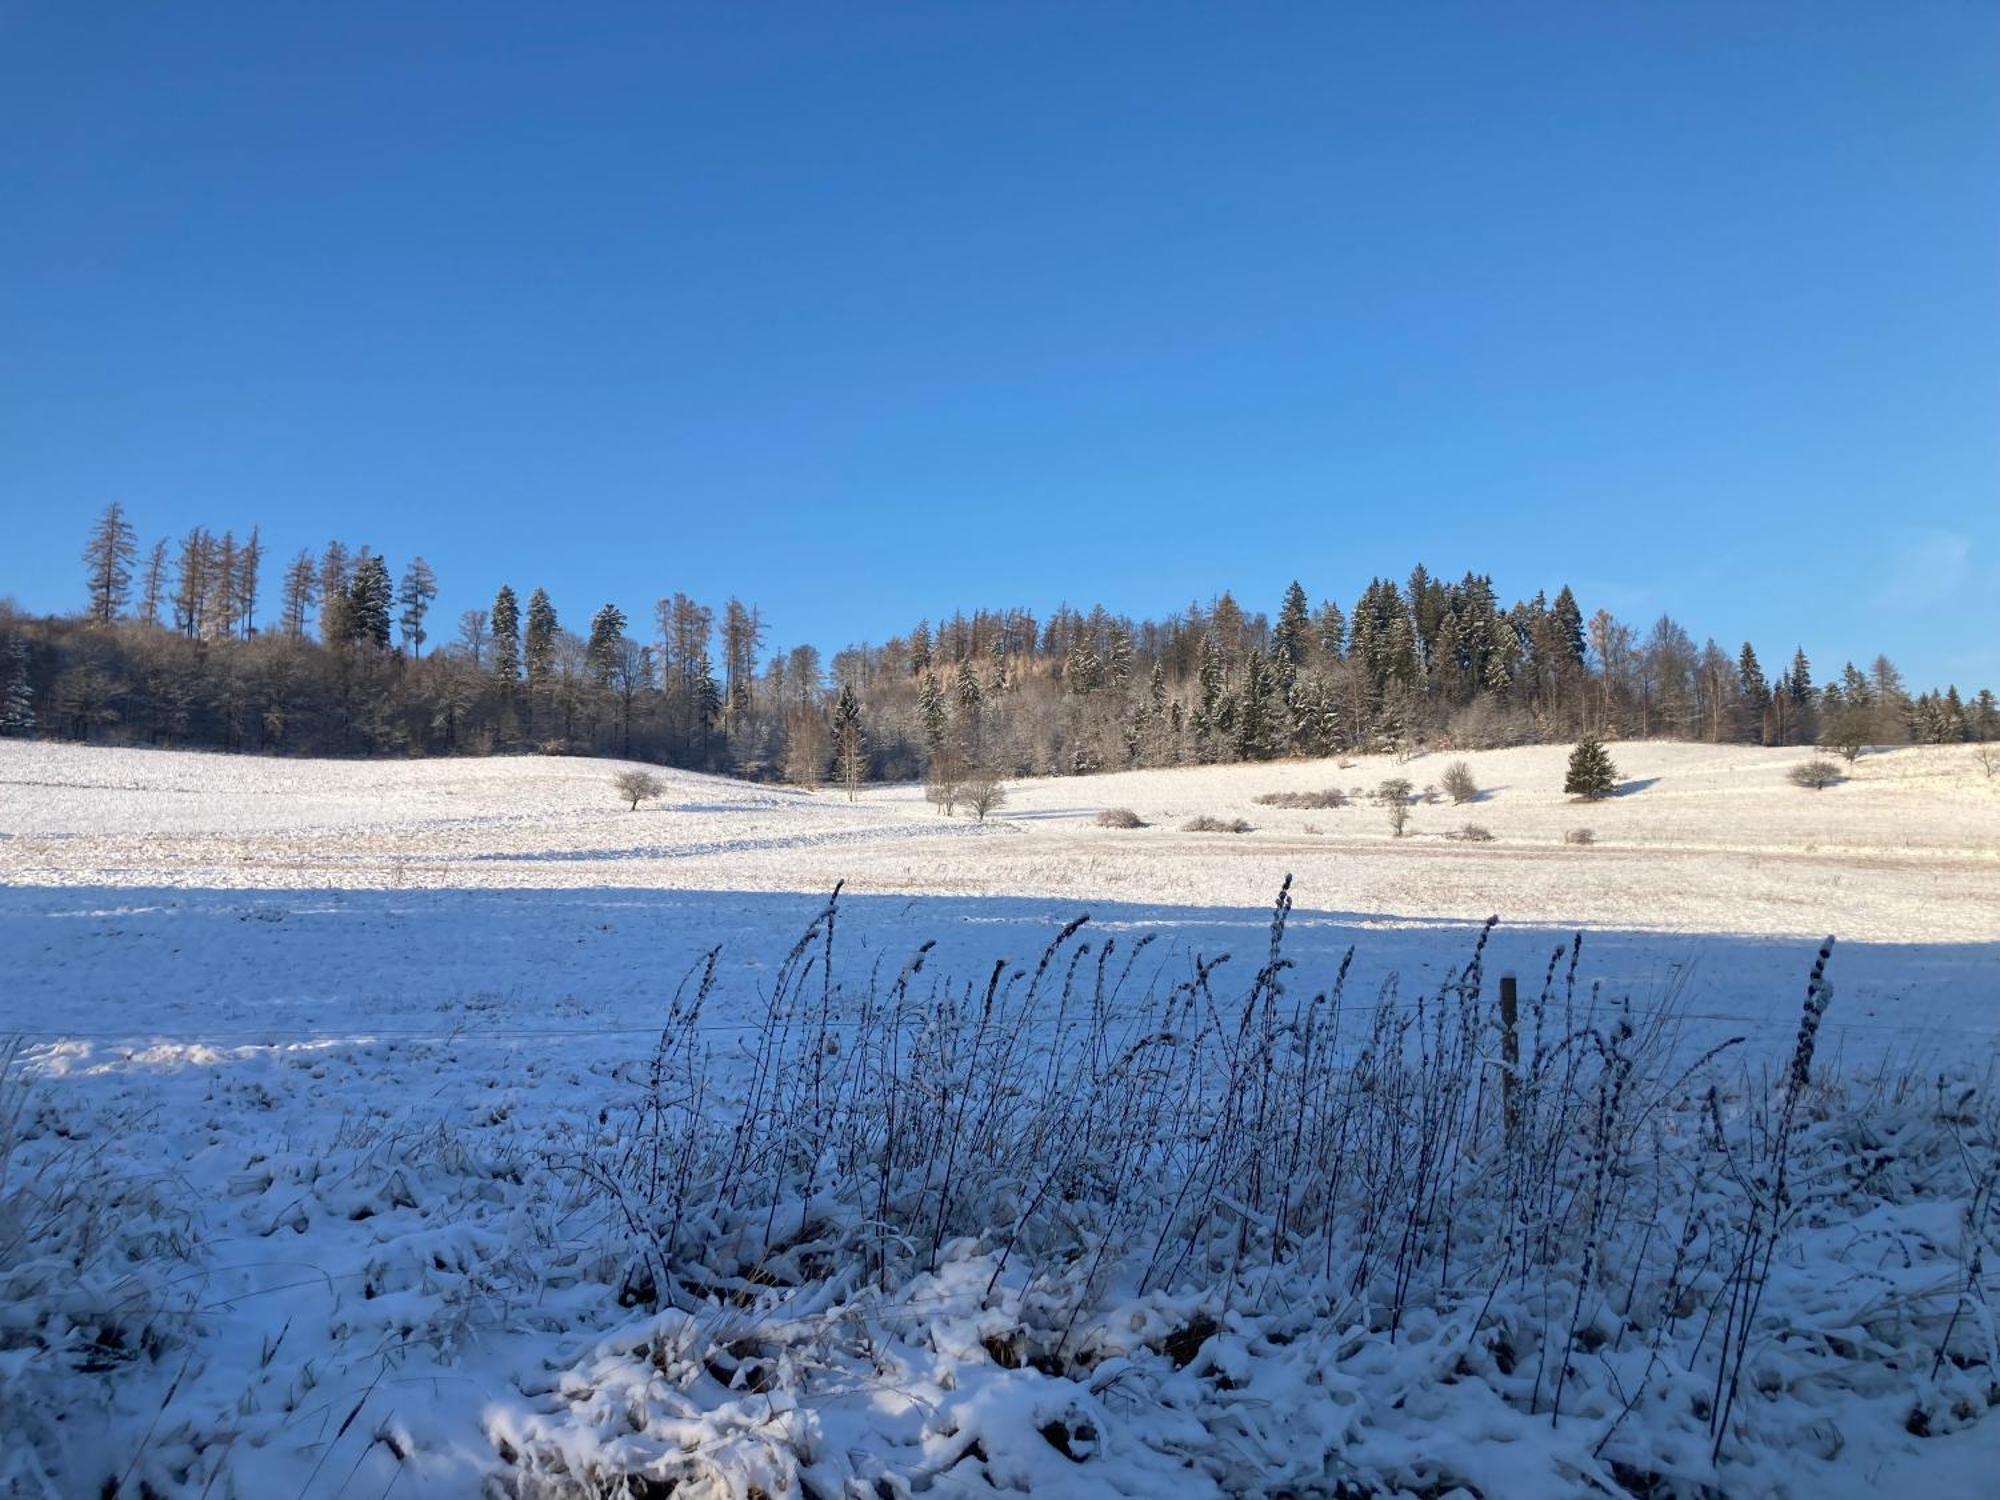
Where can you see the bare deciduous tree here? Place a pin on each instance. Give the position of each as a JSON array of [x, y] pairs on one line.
[[637, 786], [983, 793]]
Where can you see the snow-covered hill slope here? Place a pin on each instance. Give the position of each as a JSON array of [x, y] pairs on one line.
[[1700, 838]]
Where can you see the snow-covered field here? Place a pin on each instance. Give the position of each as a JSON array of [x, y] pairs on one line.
[[1700, 838], [332, 1075]]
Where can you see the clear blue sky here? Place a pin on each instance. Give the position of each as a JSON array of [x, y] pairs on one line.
[[863, 312]]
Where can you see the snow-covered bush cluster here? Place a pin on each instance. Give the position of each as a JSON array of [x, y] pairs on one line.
[[1102, 1224], [1260, 1238]]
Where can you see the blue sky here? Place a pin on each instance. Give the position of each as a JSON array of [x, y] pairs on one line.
[[863, 312]]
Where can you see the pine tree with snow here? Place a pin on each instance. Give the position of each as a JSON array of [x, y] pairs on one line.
[[931, 712], [1591, 774], [370, 599], [1291, 635], [1206, 719], [505, 626], [538, 639]]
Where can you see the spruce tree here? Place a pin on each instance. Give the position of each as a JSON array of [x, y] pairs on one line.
[[370, 599], [538, 640], [1754, 694], [505, 625], [17, 698], [1291, 635], [600, 654], [931, 712], [848, 746], [1207, 715], [1591, 773]]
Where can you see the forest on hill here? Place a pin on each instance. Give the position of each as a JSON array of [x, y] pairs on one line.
[[176, 646]]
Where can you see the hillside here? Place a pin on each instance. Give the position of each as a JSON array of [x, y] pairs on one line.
[[1700, 838]]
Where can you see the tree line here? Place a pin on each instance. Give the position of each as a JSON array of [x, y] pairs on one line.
[[174, 646]]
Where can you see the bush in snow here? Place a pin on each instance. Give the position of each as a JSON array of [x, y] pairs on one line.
[[1319, 801], [1458, 783], [1816, 775], [1207, 824], [1119, 817], [1080, 1234]]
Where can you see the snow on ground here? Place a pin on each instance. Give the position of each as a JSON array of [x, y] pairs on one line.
[[318, 1046], [1699, 839]]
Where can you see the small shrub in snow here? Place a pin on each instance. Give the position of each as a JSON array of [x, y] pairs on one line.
[[1579, 836], [983, 792], [1119, 817], [1399, 817], [1816, 775], [1458, 783], [1395, 789], [636, 787], [1474, 833], [1319, 801], [1206, 824]]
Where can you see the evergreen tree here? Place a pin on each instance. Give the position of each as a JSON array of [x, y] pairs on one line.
[[505, 625], [108, 558], [849, 750], [1330, 629], [17, 698], [1569, 627], [538, 640], [600, 654], [1591, 774], [1292, 634], [1983, 721], [931, 712], [1260, 723], [370, 598], [1753, 695], [1208, 705], [419, 589]]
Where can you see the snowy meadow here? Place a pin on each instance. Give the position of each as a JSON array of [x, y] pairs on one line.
[[449, 1128]]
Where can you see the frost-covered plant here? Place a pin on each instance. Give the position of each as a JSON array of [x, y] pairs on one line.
[[1119, 817], [1208, 824], [1051, 1166], [1320, 801], [1816, 775], [1458, 783]]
